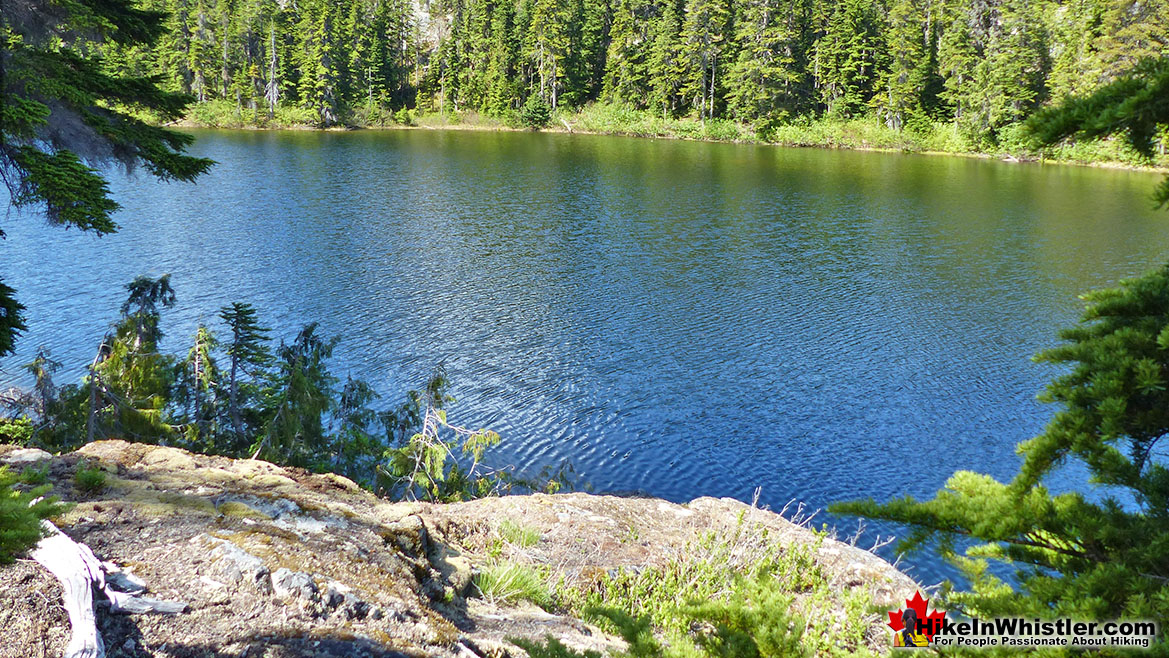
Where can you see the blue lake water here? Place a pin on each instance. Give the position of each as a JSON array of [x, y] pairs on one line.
[[678, 318]]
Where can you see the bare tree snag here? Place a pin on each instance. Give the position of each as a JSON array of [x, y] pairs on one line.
[[81, 573]]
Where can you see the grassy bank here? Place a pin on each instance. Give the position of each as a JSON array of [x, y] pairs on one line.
[[866, 133]]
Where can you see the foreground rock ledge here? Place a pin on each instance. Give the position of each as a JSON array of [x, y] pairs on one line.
[[279, 562]]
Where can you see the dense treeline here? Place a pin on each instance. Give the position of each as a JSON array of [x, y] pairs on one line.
[[983, 65]]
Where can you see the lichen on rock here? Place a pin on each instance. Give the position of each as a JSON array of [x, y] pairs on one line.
[[275, 561]]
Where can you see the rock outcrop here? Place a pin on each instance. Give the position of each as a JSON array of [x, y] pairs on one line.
[[280, 562]]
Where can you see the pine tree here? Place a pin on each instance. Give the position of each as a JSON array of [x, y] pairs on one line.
[[547, 47], [847, 57], [1016, 64], [142, 306], [249, 355], [356, 443], [1076, 68], [503, 51], [588, 51], [704, 36], [1133, 31], [957, 59], [59, 119], [302, 393], [666, 66], [317, 59], [1074, 556], [1132, 107], [900, 98], [763, 79], [626, 76], [130, 384], [198, 380]]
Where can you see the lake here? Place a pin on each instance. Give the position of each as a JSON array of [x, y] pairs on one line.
[[677, 318]]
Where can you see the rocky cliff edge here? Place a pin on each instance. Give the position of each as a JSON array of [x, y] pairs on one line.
[[279, 562]]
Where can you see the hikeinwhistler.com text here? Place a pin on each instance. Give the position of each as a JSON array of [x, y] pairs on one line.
[[1022, 632]]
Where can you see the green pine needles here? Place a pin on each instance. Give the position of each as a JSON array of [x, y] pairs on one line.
[[1075, 557], [20, 516], [63, 113]]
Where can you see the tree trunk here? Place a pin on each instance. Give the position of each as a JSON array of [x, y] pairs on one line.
[[80, 572], [233, 405]]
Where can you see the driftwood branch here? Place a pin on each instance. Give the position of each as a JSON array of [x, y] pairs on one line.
[[81, 574]]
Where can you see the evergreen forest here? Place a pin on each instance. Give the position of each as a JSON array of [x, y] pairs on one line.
[[977, 68]]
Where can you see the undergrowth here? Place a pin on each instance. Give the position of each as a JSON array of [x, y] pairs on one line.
[[740, 594]]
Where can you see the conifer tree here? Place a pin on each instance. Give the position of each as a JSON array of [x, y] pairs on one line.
[[317, 59], [1076, 67], [302, 393], [847, 57], [548, 42], [503, 50], [130, 385], [625, 73], [763, 78], [900, 97], [249, 355], [1132, 31], [1075, 556], [198, 380], [1015, 68], [587, 59], [704, 36], [62, 114], [957, 59], [666, 66]]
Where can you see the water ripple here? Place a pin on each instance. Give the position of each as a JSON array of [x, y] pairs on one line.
[[677, 318]]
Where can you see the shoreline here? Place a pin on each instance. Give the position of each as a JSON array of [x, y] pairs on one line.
[[565, 128]]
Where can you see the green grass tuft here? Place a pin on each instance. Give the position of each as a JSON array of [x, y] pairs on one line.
[[519, 535], [508, 582]]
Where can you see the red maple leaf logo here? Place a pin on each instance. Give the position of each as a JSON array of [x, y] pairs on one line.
[[931, 622]]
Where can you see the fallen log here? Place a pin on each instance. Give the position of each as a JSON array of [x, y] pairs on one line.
[[81, 574]]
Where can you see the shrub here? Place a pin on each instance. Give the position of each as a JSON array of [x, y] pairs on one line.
[[88, 479], [535, 113], [404, 116], [35, 476], [20, 516], [732, 594], [16, 430]]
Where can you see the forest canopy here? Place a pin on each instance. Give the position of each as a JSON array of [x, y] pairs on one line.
[[981, 66]]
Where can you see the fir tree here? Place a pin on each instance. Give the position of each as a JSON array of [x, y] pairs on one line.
[[666, 66], [704, 36], [625, 72], [302, 393], [900, 97], [847, 56], [59, 118], [249, 354], [763, 78], [1077, 557]]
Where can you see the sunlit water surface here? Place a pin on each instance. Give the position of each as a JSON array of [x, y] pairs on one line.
[[682, 319]]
